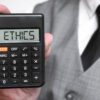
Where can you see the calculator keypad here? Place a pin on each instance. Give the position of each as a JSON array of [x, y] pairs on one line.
[[20, 65]]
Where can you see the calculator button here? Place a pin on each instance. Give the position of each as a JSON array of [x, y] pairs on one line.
[[36, 77], [14, 68], [24, 49], [25, 68], [25, 61], [14, 49], [4, 62], [15, 75], [14, 55], [15, 81], [35, 61], [3, 68], [4, 81], [35, 55], [4, 75], [25, 81], [3, 55], [35, 67], [25, 74], [35, 48], [24, 55], [3, 49], [16, 62]]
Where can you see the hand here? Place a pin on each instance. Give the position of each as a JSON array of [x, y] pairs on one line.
[[28, 93]]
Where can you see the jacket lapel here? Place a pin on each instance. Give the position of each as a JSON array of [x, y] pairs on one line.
[[65, 22]]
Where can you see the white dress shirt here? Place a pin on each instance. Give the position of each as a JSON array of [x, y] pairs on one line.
[[87, 22]]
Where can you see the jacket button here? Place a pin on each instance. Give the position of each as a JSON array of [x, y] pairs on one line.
[[71, 96]]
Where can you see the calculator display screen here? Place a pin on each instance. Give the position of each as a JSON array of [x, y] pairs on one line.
[[19, 35]]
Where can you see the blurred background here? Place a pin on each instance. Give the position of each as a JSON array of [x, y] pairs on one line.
[[21, 6]]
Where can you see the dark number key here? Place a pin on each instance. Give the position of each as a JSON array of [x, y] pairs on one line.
[[25, 68], [25, 61], [15, 75], [16, 62], [14, 68], [25, 74], [4, 81], [4, 62], [4, 75], [3, 68]]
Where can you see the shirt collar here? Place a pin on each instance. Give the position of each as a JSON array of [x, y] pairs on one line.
[[91, 6]]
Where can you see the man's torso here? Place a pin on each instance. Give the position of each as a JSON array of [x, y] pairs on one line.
[[65, 77]]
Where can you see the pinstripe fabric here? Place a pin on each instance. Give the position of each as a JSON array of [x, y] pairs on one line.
[[64, 71]]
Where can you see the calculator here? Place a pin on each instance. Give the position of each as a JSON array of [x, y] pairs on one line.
[[22, 50]]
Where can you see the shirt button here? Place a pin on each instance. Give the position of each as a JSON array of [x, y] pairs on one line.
[[71, 96]]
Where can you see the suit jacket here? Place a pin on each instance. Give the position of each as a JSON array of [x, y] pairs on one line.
[[65, 78]]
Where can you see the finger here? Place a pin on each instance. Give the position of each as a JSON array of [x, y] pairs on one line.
[[31, 90], [48, 40], [4, 9]]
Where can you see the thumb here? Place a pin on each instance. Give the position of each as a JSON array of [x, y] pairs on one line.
[[4, 9]]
